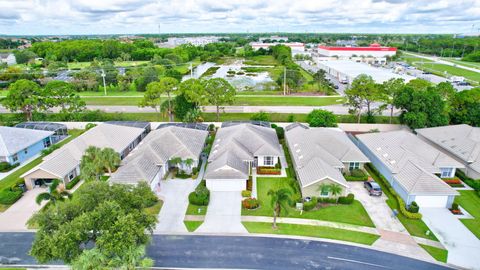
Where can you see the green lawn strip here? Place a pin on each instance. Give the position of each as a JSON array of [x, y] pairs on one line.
[[312, 231], [239, 101], [261, 60], [154, 209], [440, 69], [192, 225], [196, 210], [350, 214], [13, 177], [415, 227], [438, 254], [470, 201], [463, 63]]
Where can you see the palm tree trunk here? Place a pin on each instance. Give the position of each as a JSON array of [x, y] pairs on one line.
[[170, 116], [218, 113], [391, 113], [274, 225], [359, 115]]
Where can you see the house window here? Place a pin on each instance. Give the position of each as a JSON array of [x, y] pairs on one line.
[[446, 172], [25, 151], [353, 165], [15, 158], [268, 161], [71, 175], [46, 142]]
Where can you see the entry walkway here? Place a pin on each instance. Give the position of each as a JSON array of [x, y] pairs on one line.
[[223, 214], [462, 245], [14, 219]]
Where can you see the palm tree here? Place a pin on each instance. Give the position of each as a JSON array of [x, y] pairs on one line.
[[90, 167], [174, 161], [188, 162], [279, 199], [336, 190], [109, 159], [53, 194]]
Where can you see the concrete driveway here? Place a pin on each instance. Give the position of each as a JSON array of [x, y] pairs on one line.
[[462, 245], [14, 219], [224, 213], [377, 208]]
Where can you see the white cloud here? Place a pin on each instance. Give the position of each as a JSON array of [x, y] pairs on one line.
[[144, 16]]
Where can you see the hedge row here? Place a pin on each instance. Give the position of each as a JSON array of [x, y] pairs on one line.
[[355, 178], [307, 206], [73, 183], [9, 197], [5, 166], [401, 204], [475, 184]]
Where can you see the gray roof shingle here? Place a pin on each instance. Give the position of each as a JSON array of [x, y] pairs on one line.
[[13, 140]]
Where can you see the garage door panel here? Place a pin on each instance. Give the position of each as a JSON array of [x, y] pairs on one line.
[[431, 201], [227, 185]]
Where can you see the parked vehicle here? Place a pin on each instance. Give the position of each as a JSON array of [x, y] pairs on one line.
[[373, 188]]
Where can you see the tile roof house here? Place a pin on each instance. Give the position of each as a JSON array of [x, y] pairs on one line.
[[461, 142], [150, 161], [236, 150], [20, 144], [411, 166], [320, 155], [64, 163]]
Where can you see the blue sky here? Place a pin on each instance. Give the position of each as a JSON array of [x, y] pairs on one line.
[[31, 17]]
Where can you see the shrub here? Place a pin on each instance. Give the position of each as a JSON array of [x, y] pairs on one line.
[[5, 166], [279, 164], [452, 181], [346, 199], [273, 126], [250, 203], [291, 118], [201, 195], [358, 173], [90, 125], [413, 208], [211, 127], [49, 150], [260, 116], [9, 197], [195, 170], [246, 193], [280, 133], [249, 183], [307, 206], [454, 206], [321, 118], [327, 200], [475, 184], [72, 183]]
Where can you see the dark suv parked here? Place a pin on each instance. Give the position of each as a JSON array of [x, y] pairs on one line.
[[373, 188]]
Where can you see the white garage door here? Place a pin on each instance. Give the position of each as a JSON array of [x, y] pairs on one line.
[[227, 185], [431, 201]]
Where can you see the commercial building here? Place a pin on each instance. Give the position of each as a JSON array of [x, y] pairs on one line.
[[297, 47], [64, 163], [320, 156], [374, 50], [461, 142], [195, 41], [151, 161], [346, 71], [20, 144], [237, 150], [413, 167]]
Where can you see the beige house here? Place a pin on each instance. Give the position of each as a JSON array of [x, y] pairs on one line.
[[64, 163], [320, 155]]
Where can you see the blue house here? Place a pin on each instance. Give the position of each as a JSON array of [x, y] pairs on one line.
[[20, 144]]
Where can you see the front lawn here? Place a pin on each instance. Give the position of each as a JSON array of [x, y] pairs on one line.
[[192, 225], [312, 231], [470, 201], [350, 214], [154, 209], [196, 210], [438, 254], [415, 227]]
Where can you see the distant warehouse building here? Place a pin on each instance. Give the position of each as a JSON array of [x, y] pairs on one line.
[[297, 47], [374, 50], [346, 71]]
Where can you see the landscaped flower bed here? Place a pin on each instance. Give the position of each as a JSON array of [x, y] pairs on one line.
[[453, 182], [268, 171], [250, 203]]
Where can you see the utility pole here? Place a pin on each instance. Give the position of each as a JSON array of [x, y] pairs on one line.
[[284, 81], [104, 85]]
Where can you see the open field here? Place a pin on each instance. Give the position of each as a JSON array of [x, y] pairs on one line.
[[312, 231], [463, 63]]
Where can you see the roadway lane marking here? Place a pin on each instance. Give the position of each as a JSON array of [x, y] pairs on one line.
[[359, 262]]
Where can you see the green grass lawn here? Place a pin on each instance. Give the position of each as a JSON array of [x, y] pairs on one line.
[[351, 214], [463, 63], [155, 209], [470, 201], [196, 210], [440, 70], [415, 227], [15, 176], [261, 60], [312, 231], [192, 225], [438, 254], [239, 101]]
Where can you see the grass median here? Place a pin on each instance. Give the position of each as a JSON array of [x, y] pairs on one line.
[[312, 231], [470, 201], [438, 254]]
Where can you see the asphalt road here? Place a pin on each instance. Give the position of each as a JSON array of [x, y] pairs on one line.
[[236, 252]]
